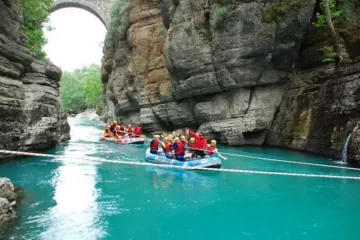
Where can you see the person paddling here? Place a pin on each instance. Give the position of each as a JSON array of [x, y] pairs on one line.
[[201, 142], [107, 133], [113, 127], [130, 131], [192, 147], [211, 149], [118, 132], [137, 131], [154, 144], [167, 147]]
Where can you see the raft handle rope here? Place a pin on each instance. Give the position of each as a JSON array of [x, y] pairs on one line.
[[178, 167]]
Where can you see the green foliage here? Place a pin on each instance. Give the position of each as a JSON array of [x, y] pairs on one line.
[[219, 17], [35, 15], [92, 86], [329, 53], [282, 8], [345, 15], [321, 18], [119, 21], [82, 89]]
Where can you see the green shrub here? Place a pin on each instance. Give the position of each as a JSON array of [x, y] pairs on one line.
[[219, 17], [35, 14], [329, 53], [119, 21]]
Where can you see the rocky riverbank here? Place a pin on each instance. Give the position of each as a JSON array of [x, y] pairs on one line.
[[90, 114], [7, 201], [31, 115]]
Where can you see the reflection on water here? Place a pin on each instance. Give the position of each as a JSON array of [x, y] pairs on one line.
[[76, 209], [167, 178]]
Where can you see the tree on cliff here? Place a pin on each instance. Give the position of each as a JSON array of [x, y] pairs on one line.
[[35, 15], [342, 19], [338, 41]]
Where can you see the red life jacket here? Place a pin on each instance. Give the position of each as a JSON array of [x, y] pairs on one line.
[[210, 150], [122, 129], [130, 131], [179, 148], [137, 131], [154, 145], [192, 146], [112, 126], [167, 147]]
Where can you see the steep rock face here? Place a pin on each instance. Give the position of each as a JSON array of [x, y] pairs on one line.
[[30, 111], [320, 108], [321, 103], [215, 65]]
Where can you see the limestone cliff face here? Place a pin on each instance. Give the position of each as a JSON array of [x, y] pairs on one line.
[[321, 103], [30, 111], [216, 65]]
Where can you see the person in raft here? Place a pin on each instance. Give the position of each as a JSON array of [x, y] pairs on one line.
[[192, 147], [211, 149], [107, 133], [179, 149], [183, 139], [113, 127], [137, 131], [119, 132], [167, 147], [130, 131], [201, 143], [154, 144]]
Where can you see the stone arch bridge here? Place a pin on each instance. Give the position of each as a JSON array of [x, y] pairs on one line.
[[100, 8]]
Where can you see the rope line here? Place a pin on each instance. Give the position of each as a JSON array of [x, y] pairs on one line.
[[279, 160], [294, 162], [274, 159], [185, 168]]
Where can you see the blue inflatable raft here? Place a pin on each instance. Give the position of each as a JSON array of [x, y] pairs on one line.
[[160, 158]]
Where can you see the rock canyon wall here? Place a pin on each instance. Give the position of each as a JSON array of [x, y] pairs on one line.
[[226, 68], [30, 111]]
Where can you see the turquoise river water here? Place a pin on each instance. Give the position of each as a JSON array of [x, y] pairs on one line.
[[79, 199]]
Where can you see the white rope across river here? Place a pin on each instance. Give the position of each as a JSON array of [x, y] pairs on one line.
[[280, 160], [176, 167]]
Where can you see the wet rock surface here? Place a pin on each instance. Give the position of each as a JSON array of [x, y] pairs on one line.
[[7, 201], [319, 110]]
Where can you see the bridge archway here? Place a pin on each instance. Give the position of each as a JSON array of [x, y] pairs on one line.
[[97, 7]]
